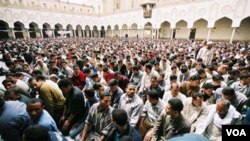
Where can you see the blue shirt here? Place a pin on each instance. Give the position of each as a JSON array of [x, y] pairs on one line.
[[13, 120], [46, 121]]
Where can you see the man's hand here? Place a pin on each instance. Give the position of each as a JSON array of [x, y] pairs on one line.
[[66, 125], [148, 136], [62, 120]]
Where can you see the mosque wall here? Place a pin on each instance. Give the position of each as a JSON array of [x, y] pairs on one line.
[[210, 11]]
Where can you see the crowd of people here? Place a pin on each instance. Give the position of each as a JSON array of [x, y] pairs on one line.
[[122, 89]]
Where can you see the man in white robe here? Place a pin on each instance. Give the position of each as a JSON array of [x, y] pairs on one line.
[[223, 113]]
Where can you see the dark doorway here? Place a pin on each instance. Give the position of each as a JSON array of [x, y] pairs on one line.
[[3, 30], [18, 30], [57, 28], [174, 33], [192, 33], [102, 32], [32, 31], [45, 28], [126, 35]]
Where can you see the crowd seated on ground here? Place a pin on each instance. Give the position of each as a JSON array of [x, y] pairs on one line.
[[122, 88]]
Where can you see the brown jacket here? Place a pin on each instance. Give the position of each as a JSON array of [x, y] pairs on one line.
[[52, 97], [187, 89]]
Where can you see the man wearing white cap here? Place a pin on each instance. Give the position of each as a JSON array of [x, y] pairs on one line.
[[206, 53]]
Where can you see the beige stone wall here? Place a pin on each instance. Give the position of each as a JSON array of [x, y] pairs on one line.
[[181, 33], [201, 33], [242, 33], [165, 33], [133, 33], [221, 34], [108, 33], [222, 30]]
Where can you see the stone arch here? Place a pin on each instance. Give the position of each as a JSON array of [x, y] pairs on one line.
[[95, 31], [87, 31], [134, 26], [33, 30], [181, 31], [134, 30], [58, 27], [222, 29], [124, 27], [18, 29], [78, 30], [147, 33], [242, 32], [109, 27], [124, 30], [5, 33], [46, 26], [201, 29], [47, 30], [69, 27], [103, 32], [116, 32], [109, 31], [165, 31]]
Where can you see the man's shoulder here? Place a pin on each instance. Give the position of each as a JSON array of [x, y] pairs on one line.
[[45, 117], [138, 100], [77, 92], [134, 133]]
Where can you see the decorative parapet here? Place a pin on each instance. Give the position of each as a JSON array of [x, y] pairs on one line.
[[49, 6]]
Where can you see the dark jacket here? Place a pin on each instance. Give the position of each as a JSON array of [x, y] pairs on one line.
[[166, 127], [130, 131], [75, 104]]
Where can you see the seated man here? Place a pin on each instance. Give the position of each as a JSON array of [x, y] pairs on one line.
[[238, 100], [170, 122], [13, 120], [122, 127], [115, 91], [98, 122], [174, 92], [132, 104], [91, 98], [195, 110], [50, 94], [40, 133], [36, 133], [11, 84], [13, 95], [74, 108], [208, 94], [191, 86], [151, 111], [39, 116], [223, 113]]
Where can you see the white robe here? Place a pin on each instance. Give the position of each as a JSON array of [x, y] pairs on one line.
[[212, 125]]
